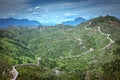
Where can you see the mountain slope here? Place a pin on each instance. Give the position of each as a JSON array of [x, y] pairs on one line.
[[84, 52], [108, 24], [17, 22], [74, 22]]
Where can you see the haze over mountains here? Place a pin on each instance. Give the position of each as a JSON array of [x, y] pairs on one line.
[[25, 22], [88, 51], [32, 23], [18, 22], [59, 39], [75, 21]]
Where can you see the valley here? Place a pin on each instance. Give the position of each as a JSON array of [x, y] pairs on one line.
[[84, 52]]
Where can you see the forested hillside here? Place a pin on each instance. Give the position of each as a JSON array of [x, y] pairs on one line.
[[89, 51]]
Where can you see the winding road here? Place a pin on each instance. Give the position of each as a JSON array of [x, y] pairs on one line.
[[91, 49], [15, 73], [80, 41], [98, 29], [108, 37]]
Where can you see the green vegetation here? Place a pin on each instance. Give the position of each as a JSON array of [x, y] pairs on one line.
[[64, 51], [108, 24], [4, 68]]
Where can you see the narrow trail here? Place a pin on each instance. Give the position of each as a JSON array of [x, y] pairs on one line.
[[15, 73], [80, 41], [57, 72], [88, 25], [98, 29], [91, 49], [108, 37]]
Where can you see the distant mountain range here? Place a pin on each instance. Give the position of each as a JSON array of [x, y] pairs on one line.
[[49, 24], [74, 22], [18, 22], [25, 22], [93, 47]]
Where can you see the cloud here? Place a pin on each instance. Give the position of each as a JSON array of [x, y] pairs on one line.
[[47, 2], [58, 10], [36, 9], [11, 7], [69, 14]]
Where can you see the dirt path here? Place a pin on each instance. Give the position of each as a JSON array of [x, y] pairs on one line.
[[14, 73], [80, 41], [108, 37], [88, 25], [91, 49]]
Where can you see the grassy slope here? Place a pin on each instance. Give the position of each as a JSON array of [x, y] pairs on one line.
[[51, 42], [23, 45], [108, 24]]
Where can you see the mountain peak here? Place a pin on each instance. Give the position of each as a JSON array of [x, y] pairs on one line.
[[106, 18], [18, 22], [79, 18], [75, 21]]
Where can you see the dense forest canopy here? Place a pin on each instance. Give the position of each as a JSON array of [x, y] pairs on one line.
[[88, 51]]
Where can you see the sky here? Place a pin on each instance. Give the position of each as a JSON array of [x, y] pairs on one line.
[[58, 11]]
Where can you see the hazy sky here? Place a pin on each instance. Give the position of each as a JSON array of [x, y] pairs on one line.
[[58, 10]]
